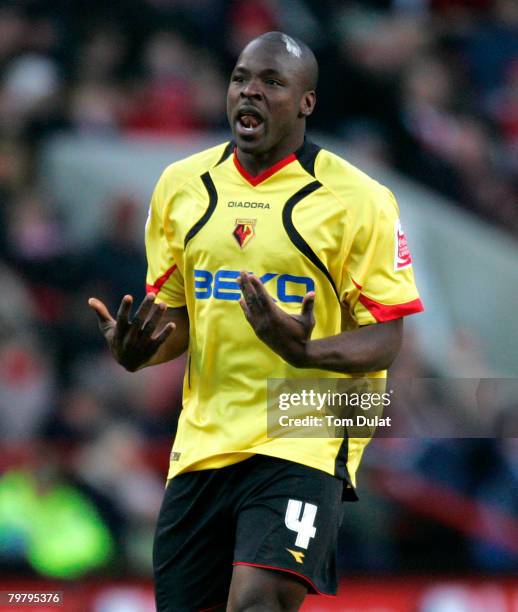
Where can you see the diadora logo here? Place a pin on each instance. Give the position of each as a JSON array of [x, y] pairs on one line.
[[223, 285], [298, 555], [242, 204]]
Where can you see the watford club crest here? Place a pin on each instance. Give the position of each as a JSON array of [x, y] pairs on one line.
[[244, 231]]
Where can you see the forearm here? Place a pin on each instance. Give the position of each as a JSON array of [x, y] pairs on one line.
[[172, 348], [369, 349]]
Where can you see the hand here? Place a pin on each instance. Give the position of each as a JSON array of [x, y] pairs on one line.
[[287, 335], [134, 342]]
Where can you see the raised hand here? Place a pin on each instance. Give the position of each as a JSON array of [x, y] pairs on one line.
[[285, 334], [133, 342]]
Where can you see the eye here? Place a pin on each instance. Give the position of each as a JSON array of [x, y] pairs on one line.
[[236, 78], [273, 82]]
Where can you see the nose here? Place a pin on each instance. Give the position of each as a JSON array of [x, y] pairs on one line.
[[251, 89]]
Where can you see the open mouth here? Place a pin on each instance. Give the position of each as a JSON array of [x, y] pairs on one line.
[[249, 122]]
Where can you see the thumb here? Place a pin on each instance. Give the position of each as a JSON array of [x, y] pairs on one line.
[[308, 303], [103, 314]]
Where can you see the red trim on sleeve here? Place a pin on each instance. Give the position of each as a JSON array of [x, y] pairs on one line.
[[255, 180], [155, 288], [288, 571], [384, 312]]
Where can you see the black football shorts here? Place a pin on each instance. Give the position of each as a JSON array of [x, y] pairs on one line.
[[265, 512]]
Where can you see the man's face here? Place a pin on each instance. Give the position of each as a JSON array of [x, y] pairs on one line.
[[264, 98]]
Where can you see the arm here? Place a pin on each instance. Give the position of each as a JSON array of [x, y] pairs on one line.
[[154, 335], [368, 349]]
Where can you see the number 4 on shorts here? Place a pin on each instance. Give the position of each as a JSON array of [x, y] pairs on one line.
[[303, 527]]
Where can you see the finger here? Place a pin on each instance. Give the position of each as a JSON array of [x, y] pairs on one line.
[[245, 284], [245, 309], [123, 312], [143, 311], [244, 281], [165, 333], [154, 319], [250, 295], [101, 311], [308, 304], [263, 297]]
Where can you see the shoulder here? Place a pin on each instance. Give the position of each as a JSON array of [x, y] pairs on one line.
[[179, 172], [353, 187]]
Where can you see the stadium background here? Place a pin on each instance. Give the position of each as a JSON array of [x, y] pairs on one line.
[[95, 99]]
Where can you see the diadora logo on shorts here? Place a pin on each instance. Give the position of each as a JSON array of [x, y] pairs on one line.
[[246, 204], [298, 555], [223, 285]]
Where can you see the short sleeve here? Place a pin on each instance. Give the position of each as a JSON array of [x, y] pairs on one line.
[[378, 281], [163, 275]]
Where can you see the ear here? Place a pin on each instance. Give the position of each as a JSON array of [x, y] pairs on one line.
[[307, 103]]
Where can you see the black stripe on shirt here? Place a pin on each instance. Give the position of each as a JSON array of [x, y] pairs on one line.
[[341, 471], [213, 200], [307, 155], [229, 149], [294, 235]]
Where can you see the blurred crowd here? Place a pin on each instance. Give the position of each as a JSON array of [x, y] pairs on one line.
[[429, 87]]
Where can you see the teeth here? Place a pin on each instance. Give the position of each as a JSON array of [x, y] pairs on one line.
[[247, 125], [249, 120]]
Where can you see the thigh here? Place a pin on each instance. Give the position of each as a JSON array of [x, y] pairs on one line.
[[194, 542], [290, 523], [269, 590]]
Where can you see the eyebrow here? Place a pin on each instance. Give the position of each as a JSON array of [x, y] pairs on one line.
[[265, 72]]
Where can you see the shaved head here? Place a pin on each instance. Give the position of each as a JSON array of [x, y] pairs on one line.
[[296, 51], [270, 95]]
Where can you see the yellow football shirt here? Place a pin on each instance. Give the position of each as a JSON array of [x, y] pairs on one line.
[[311, 222]]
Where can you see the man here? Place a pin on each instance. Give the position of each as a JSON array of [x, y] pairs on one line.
[[261, 252]]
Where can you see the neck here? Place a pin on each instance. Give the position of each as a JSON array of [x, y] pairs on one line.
[[255, 163]]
